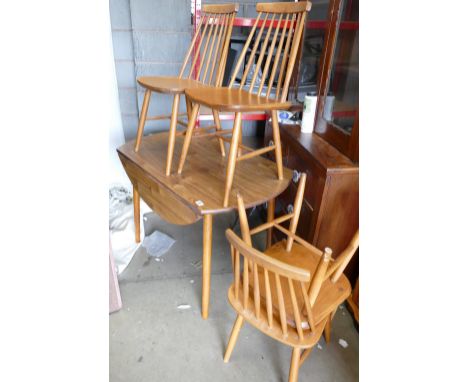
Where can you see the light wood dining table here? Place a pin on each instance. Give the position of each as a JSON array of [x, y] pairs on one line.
[[198, 193]]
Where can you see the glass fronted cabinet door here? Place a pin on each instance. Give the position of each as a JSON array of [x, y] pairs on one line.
[[337, 113]]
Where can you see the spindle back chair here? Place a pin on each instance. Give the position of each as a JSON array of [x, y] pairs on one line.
[[290, 295], [278, 28], [305, 254], [268, 314], [203, 65]]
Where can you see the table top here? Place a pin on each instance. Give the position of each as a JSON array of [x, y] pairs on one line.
[[199, 190]]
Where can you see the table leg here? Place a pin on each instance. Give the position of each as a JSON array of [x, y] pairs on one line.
[[206, 272], [270, 217], [136, 213]]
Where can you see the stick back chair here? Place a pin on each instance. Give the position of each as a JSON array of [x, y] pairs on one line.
[[208, 50], [289, 299], [298, 252], [278, 28]]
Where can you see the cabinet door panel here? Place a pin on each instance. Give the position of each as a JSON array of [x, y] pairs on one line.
[[340, 215]]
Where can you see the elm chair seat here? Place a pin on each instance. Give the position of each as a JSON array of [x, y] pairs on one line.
[[331, 294], [235, 100], [169, 85]]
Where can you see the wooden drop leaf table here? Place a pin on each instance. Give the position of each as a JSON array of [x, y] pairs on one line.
[[199, 191]]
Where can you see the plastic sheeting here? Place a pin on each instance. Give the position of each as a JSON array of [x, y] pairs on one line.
[[122, 227], [157, 244]]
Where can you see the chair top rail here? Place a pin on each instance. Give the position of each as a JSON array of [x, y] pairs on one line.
[[220, 8], [284, 7], [267, 262]]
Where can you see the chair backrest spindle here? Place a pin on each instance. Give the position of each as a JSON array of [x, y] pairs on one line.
[[293, 54], [217, 23], [243, 221], [205, 47], [285, 58], [281, 305], [319, 276], [269, 306], [287, 18], [217, 52], [270, 54], [236, 272], [208, 49], [308, 308], [253, 52], [297, 316], [340, 263], [256, 291], [243, 52], [192, 45], [277, 57], [296, 210], [262, 53]]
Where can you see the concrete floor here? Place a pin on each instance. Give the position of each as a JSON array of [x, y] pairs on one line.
[[152, 340]]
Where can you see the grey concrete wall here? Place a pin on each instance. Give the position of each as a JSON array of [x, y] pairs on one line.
[[122, 38]]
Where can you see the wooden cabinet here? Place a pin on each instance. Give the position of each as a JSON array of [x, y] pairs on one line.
[[330, 211]]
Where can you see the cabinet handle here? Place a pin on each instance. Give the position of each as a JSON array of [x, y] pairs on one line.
[[296, 176], [290, 209]]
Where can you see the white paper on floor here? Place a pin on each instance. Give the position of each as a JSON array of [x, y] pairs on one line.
[[157, 244], [122, 226], [183, 306], [343, 343]]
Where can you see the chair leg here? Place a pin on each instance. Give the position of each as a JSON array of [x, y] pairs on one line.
[[327, 330], [206, 269], [294, 368], [172, 134], [218, 128], [233, 339], [231, 166], [304, 356], [188, 105], [142, 121], [270, 217], [188, 136], [136, 213], [277, 140], [239, 149]]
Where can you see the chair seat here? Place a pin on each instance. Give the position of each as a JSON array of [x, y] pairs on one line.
[[330, 296], [171, 85], [291, 339], [236, 100]]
